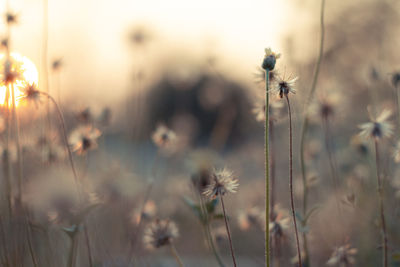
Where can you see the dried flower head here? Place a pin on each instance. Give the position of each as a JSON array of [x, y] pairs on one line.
[[85, 115], [343, 255], [31, 92], [164, 138], [279, 223], [11, 18], [222, 182], [377, 128], [11, 72], [84, 139], [284, 86], [160, 233], [270, 58], [4, 42], [201, 179], [57, 64]]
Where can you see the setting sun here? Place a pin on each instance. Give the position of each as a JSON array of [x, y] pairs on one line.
[[27, 74]]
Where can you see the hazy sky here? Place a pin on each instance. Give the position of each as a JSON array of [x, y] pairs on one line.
[[91, 35]]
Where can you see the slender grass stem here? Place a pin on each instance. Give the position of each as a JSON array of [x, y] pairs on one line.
[[381, 206], [332, 166], [175, 254], [291, 181], [6, 155], [73, 251], [89, 249], [140, 222], [4, 243], [228, 231], [17, 142], [397, 88], [207, 229], [306, 124], [267, 190], [20, 174], [64, 134]]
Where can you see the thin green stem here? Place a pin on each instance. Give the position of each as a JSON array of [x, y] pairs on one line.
[[175, 254], [89, 249], [381, 206], [291, 181], [306, 124], [267, 196], [228, 231]]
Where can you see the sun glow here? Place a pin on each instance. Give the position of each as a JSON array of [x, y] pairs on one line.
[[27, 74]]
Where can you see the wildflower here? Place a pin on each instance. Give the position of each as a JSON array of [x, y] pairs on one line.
[[220, 234], [202, 179], [140, 36], [269, 59], [160, 233], [31, 92], [11, 18], [279, 224], [396, 153], [84, 139], [377, 128], [57, 64], [250, 217], [4, 42], [359, 144], [10, 74], [164, 138], [221, 183], [148, 212], [396, 79], [85, 116], [343, 255], [283, 87]]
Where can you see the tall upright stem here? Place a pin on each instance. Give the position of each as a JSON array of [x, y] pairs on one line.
[[306, 123], [291, 181], [333, 167], [228, 231], [266, 141], [381, 206]]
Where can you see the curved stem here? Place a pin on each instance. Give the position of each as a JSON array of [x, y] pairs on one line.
[[266, 141], [381, 207], [207, 229], [306, 123], [291, 181], [64, 134], [228, 232]]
